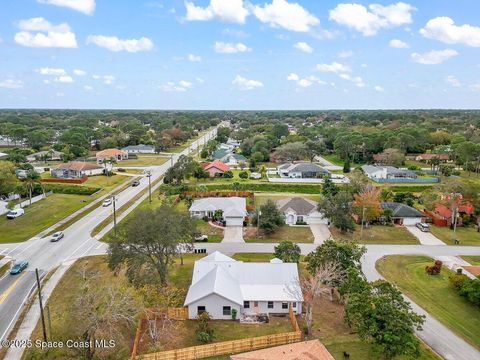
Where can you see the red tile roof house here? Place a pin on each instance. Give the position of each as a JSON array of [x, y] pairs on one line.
[[116, 154], [216, 167], [443, 216]]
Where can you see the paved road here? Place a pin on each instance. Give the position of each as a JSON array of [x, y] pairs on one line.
[[45, 255], [425, 238]]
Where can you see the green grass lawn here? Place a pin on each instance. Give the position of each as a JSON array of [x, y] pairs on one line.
[[253, 257], [474, 260], [214, 234], [221, 180], [378, 234], [466, 235], [106, 183], [40, 216], [261, 198], [144, 160], [433, 293], [297, 234]]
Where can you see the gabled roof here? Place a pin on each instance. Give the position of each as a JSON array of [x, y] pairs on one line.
[[305, 350], [226, 204], [216, 256], [220, 153], [109, 152], [402, 210], [300, 205], [303, 167], [218, 165], [237, 157], [139, 147], [431, 156], [77, 166]]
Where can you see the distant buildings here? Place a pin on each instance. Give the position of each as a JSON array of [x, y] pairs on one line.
[[45, 155], [301, 170], [221, 284], [428, 157], [387, 173], [108, 154], [234, 209], [75, 170], [139, 149]]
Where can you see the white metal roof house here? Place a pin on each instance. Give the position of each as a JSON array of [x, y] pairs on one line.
[[298, 210], [387, 172], [139, 149], [234, 209], [221, 284], [301, 170]]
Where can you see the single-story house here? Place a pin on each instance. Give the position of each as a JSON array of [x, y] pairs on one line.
[[428, 157], [140, 149], [221, 284], [216, 167], [301, 210], [387, 172], [51, 155], [305, 350], [116, 154], [403, 214], [75, 169], [301, 170], [233, 159], [442, 215], [234, 209], [220, 153]]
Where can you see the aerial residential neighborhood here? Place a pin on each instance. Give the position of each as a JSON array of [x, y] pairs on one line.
[[233, 180]]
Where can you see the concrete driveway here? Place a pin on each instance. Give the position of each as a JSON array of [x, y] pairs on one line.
[[320, 232], [233, 234], [425, 238]]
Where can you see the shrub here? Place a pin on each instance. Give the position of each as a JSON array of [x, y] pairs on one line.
[[234, 314], [435, 269], [471, 291], [205, 333], [301, 223], [458, 280], [228, 174], [71, 189], [243, 175]]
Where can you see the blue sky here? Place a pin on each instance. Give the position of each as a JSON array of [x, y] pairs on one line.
[[234, 54]]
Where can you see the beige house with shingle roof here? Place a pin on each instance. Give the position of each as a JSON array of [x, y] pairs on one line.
[[300, 210], [75, 170]]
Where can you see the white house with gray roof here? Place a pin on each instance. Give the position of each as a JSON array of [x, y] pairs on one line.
[[387, 173], [403, 214], [234, 209], [301, 170], [301, 210], [140, 149], [221, 284]]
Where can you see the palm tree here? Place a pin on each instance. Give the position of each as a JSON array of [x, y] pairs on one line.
[[31, 179], [110, 161]]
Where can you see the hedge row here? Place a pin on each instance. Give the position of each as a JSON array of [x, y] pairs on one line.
[[266, 187], [71, 189]]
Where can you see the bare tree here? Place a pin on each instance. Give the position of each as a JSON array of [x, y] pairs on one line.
[[311, 288]]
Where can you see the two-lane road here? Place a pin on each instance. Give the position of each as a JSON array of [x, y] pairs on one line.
[[46, 255]]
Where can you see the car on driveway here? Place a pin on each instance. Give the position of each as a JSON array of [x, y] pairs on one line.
[[107, 202], [201, 238], [423, 227], [12, 214], [18, 267], [57, 236], [135, 183]]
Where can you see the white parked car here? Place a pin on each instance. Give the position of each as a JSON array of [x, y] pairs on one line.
[[12, 214], [107, 202], [57, 236], [423, 227]]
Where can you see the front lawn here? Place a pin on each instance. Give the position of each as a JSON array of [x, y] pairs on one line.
[[378, 234], [433, 293], [214, 234], [39, 216], [144, 160], [296, 234], [467, 235], [107, 183]]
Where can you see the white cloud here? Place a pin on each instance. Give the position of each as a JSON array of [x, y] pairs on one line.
[[88, 87], [303, 46], [40, 33], [293, 77], [305, 82], [11, 84], [233, 11], [235, 33], [230, 48], [334, 67], [84, 6], [378, 88], [452, 80], [96, 77], [115, 44], [60, 94], [66, 79], [246, 84], [290, 16], [357, 80], [345, 54], [433, 57], [475, 87], [51, 71], [194, 58], [370, 20], [398, 44], [444, 29], [79, 72], [171, 86], [108, 79]]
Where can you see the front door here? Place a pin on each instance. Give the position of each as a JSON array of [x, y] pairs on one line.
[[255, 307]]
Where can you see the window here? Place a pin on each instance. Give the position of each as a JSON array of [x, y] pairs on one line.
[[270, 305], [300, 218], [246, 304], [294, 305], [227, 310], [284, 305], [200, 310]]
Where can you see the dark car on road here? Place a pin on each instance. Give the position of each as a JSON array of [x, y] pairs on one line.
[[135, 183], [18, 267]]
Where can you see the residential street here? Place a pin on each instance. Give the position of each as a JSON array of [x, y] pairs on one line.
[[45, 255]]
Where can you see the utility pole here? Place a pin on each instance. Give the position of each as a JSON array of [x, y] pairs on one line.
[[258, 221], [41, 306], [363, 217], [114, 216], [149, 187]]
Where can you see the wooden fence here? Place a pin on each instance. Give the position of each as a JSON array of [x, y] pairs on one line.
[[65, 181], [225, 347]]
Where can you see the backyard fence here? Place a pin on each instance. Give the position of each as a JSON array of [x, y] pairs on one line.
[[225, 347], [65, 181]]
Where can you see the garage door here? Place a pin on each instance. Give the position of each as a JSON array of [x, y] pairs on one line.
[[317, 218], [411, 221], [232, 221]]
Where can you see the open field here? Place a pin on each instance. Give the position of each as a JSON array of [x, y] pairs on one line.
[[466, 235], [144, 160], [378, 234], [433, 293], [297, 234], [40, 216]]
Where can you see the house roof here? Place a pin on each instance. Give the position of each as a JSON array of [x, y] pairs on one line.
[[237, 157], [231, 206], [220, 153], [109, 152], [431, 156], [239, 281], [303, 167], [218, 165], [401, 210], [305, 350], [53, 153], [139, 147], [77, 166], [446, 213], [370, 169], [299, 205]]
